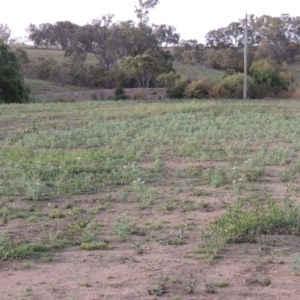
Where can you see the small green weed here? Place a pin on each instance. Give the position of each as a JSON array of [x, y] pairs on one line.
[[264, 281], [56, 214], [122, 228], [35, 191], [221, 284], [26, 265], [190, 283], [47, 257], [217, 177], [286, 175], [295, 267], [96, 246]]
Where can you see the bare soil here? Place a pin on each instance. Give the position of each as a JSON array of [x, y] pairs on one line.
[[249, 271]]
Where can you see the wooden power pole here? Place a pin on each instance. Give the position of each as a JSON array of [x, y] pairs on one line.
[[245, 58]]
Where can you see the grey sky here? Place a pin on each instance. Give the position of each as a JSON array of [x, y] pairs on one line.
[[192, 18]]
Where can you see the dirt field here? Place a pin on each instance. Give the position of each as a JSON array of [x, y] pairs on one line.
[[110, 200]]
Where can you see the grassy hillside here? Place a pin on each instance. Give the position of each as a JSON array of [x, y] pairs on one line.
[[295, 69], [42, 86], [194, 72], [52, 52]]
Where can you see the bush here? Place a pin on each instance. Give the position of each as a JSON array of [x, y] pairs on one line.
[[120, 94], [234, 85], [269, 77], [218, 91], [168, 80], [178, 90], [12, 86], [198, 89], [175, 84]]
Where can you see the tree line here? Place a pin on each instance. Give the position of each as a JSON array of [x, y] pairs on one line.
[[137, 54], [276, 38]]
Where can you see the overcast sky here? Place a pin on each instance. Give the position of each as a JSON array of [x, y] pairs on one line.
[[192, 18]]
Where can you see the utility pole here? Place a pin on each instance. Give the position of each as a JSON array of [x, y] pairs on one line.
[[245, 58]]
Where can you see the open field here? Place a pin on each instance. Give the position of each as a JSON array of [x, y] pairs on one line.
[[134, 200]]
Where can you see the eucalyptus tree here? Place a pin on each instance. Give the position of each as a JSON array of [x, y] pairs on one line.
[[141, 68], [5, 32], [142, 10], [41, 34]]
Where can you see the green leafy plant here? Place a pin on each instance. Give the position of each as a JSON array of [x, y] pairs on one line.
[[122, 228]]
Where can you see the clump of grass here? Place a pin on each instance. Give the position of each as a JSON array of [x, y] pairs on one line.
[[221, 284], [264, 281], [122, 228], [248, 174], [76, 210], [56, 214], [47, 257], [145, 196], [28, 291], [138, 247], [96, 246], [239, 224], [286, 175], [26, 265], [158, 165], [187, 205], [35, 191], [190, 283], [68, 205], [217, 177], [295, 267], [11, 250]]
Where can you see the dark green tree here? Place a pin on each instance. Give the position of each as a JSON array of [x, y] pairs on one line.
[[12, 86]]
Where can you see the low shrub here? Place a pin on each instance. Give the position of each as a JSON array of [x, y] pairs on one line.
[[198, 89], [178, 90]]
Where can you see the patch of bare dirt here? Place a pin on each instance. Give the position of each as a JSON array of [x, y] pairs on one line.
[[249, 271]]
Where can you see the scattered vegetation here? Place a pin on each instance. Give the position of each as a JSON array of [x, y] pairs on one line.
[[240, 224], [138, 176]]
